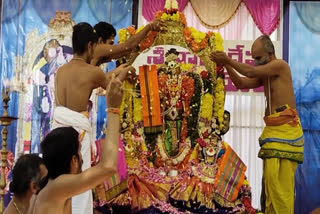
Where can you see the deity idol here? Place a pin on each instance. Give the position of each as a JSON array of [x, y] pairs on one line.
[[176, 90], [172, 124]]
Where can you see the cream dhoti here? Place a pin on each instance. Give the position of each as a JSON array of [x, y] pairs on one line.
[[64, 117]]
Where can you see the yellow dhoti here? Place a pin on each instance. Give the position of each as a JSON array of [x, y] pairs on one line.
[[278, 176], [281, 150]]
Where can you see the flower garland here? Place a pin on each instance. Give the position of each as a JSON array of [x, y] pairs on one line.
[[206, 109], [122, 35], [187, 93], [193, 118], [207, 79], [218, 42], [140, 29], [206, 106], [219, 90], [126, 121], [137, 110], [196, 40], [197, 35], [184, 67], [176, 17], [138, 130], [218, 109], [125, 34]]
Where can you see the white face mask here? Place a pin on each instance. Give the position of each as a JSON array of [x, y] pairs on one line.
[[262, 61]]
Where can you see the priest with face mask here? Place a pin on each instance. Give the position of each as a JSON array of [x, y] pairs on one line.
[[282, 139]]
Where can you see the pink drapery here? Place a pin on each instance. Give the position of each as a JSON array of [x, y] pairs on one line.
[[122, 166], [150, 7], [266, 14]]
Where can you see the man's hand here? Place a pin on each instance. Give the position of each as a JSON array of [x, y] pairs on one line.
[[157, 25], [125, 72], [114, 94], [220, 57]]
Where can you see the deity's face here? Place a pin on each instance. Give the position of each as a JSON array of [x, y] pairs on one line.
[[171, 60], [172, 64]]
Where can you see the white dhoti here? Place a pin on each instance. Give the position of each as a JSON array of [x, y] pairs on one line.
[[64, 117]]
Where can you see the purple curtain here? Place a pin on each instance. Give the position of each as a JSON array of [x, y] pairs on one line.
[[266, 14], [150, 7]]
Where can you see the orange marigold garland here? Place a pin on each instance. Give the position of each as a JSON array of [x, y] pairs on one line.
[[196, 40], [183, 19], [147, 42]]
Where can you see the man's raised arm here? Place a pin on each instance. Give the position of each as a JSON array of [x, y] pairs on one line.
[[242, 82], [101, 79], [263, 71], [69, 185], [106, 52]]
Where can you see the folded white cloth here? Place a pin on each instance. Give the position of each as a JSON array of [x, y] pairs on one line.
[[64, 117]]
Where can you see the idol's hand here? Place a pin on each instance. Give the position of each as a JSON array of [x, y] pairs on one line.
[[220, 57]]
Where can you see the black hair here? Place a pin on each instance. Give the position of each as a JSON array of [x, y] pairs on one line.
[[267, 44], [25, 170], [83, 33], [105, 30], [58, 148]]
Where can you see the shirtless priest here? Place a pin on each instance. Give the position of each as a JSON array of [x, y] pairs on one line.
[[282, 138]]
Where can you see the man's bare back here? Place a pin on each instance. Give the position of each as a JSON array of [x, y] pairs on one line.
[[74, 84], [75, 80], [51, 206]]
